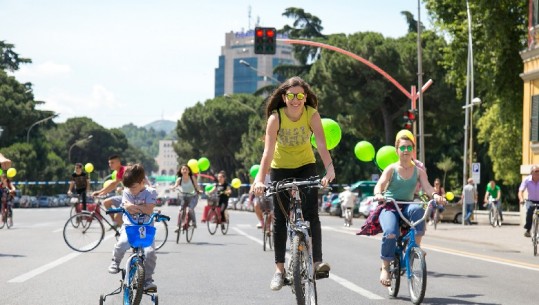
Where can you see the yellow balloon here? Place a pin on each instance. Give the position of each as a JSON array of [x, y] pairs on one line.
[[11, 172], [89, 167], [193, 165], [449, 196], [236, 183]]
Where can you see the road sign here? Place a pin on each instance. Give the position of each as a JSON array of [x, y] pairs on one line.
[[476, 173]]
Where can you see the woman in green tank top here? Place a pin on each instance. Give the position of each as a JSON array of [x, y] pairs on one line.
[[292, 118], [399, 181]]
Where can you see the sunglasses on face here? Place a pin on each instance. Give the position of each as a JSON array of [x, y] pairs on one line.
[[406, 148], [290, 96]]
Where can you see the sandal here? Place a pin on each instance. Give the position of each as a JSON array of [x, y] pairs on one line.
[[385, 277]]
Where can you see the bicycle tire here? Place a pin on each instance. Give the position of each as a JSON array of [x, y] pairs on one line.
[[395, 273], [499, 218], [265, 231], [134, 285], [491, 217], [436, 217], [304, 287], [535, 227], [417, 283], [161, 234], [224, 224], [189, 230], [212, 221], [85, 237], [101, 300], [3, 221], [155, 299], [180, 226]]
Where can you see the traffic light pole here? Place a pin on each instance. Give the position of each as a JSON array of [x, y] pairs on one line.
[[412, 95]]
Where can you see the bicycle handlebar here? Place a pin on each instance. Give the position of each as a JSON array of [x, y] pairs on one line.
[[279, 186], [432, 203], [157, 216]]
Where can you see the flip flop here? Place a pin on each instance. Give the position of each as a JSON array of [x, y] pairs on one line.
[[385, 281]]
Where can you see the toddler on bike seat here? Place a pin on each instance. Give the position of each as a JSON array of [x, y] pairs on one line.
[[139, 201]]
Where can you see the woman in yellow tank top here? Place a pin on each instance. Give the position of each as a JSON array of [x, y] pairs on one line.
[[292, 118]]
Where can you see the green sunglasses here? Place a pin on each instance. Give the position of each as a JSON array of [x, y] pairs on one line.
[[406, 148], [290, 96]]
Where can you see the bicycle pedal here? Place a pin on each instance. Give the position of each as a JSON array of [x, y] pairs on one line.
[[322, 275], [151, 290]]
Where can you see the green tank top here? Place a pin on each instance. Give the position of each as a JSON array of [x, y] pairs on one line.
[[402, 189], [293, 148]]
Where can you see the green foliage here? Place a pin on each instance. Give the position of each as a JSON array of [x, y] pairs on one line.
[[9, 59], [147, 140], [445, 165]]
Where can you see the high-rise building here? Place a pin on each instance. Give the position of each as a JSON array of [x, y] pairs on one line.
[[241, 70]]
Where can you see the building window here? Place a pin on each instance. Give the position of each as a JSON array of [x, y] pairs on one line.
[[534, 120]]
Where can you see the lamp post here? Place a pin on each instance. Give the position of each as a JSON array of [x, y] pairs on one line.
[[38, 122], [248, 65], [76, 143], [230, 98]]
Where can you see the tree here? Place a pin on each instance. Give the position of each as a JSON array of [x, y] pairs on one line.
[[9, 59], [445, 165]]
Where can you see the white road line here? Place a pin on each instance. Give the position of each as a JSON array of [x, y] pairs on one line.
[[339, 280], [44, 268]]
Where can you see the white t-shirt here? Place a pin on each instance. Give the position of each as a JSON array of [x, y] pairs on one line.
[[348, 198]]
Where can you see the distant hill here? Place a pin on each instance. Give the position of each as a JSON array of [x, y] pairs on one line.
[[162, 125]]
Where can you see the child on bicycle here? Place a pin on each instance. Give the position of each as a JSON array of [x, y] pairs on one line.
[[292, 117], [139, 201], [223, 190], [189, 191]]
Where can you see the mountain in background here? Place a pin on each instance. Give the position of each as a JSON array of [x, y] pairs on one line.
[[162, 125]]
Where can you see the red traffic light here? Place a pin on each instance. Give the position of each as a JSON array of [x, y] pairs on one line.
[[411, 115], [270, 33], [259, 32]]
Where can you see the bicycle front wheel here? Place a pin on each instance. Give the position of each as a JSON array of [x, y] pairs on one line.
[[190, 229], [212, 221], [417, 283], [535, 229], [134, 285], [302, 272], [395, 273], [161, 234], [3, 221], [87, 235], [266, 233], [436, 217], [491, 217], [225, 223]]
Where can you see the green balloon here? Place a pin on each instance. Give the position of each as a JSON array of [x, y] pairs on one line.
[[209, 187], [386, 156], [113, 175], [1, 171], [332, 133], [203, 164], [254, 170], [364, 151]]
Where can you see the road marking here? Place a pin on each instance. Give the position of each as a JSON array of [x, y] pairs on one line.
[[481, 257], [337, 279], [44, 268]]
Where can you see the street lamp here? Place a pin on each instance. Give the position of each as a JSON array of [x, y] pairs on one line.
[[230, 98], [76, 143], [248, 65], [38, 122]]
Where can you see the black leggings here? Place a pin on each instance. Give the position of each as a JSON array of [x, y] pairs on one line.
[[309, 208], [82, 193]]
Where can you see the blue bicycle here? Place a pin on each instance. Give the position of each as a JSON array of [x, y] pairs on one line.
[[409, 258], [140, 236]]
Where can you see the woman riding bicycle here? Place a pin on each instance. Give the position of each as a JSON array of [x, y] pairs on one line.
[[5, 184], [398, 181], [292, 117], [189, 191]]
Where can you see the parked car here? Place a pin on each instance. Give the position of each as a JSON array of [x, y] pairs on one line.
[[362, 189], [62, 199], [327, 200], [453, 211], [43, 202], [366, 206]]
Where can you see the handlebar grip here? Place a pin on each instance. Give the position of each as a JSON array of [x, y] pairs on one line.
[[115, 210], [164, 217]]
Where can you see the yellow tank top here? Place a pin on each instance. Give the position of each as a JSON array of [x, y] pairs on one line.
[[293, 148]]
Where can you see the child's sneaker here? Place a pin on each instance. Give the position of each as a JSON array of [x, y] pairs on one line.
[[114, 268], [150, 286]]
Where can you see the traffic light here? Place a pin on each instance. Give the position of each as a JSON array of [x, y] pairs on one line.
[[409, 118], [265, 40]]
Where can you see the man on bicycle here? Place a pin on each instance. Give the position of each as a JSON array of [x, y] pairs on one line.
[[81, 182], [494, 191], [115, 164], [347, 200], [531, 184], [5, 163]]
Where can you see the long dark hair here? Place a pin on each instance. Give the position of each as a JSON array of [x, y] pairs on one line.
[[275, 100]]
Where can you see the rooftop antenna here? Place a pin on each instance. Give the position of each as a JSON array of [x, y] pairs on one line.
[[257, 21], [249, 17]]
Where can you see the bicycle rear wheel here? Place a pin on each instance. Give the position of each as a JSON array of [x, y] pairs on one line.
[[181, 216], [304, 283], [535, 229], [499, 218], [134, 285], [87, 235], [190, 229], [161, 234], [436, 217], [224, 224], [212, 221], [395, 273], [417, 283], [266, 233], [3, 221]]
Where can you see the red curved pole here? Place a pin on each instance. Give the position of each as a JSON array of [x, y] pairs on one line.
[[354, 56]]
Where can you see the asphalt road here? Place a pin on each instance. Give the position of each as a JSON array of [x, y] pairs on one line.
[[466, 265]]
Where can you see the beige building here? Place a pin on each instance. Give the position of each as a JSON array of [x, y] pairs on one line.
[[167, 159]]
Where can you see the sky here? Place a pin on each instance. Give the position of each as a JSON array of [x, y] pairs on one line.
[[138, 61]]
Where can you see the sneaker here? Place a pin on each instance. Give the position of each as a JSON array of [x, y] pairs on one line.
[[277, 281], [149, 285], [177, 229], [259, 225], [114, 268], [527, 234]]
